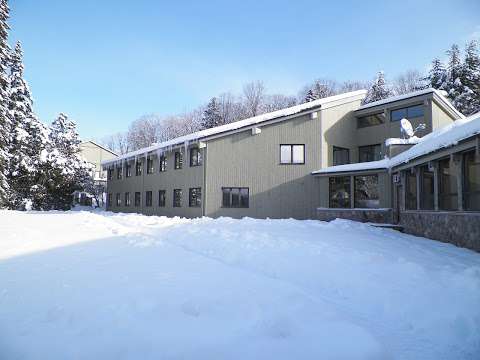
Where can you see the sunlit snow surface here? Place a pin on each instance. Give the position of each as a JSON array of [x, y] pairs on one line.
[[82, 285]]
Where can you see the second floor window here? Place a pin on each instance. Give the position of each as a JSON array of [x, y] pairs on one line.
[[292, 154], [195, 157], [138, 168], [195, 197], [138, 198], [119, 173], [369, 153], [178, 160], [371, 120], [163, 163], [149, 165], [177, 198], [410, 112], [128, 171], [110, 173], [340, 156], [148, 198], [127, 199], [161, 198]]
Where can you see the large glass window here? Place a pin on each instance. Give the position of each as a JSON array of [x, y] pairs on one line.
[[234, 197], [138, 198], [340, 156], [339, 192], [471, 191], [138, 168], [410, 112], [369, 153], [195, 197], [411, 191], [163, 163], [427, 189], [161, 198], [366, 191], [292, 154], [178, 160], [195, 157], [177, 198], [148, 198], [447, 191], [371, 120], [149, 165]]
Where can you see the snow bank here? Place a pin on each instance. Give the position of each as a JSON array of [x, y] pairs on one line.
[[82, 285]]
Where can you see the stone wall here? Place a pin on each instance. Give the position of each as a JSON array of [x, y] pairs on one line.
[[382, 216], [458, 228]]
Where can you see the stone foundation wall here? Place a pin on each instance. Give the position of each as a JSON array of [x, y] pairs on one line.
[[382, 216], [458, 228]]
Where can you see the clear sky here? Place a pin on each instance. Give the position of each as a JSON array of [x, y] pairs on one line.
[[107, 62]]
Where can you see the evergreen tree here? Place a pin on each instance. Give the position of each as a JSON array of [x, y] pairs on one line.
[[379, 90], [320, 89], [310, 96], [212, 116], [437, 76], [4, 113], [470, 99]]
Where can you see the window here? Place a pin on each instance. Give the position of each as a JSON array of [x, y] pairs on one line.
[[195, 157], [411, 191], [366, 191], [148, 198], [369, 153], [119, 173], [127, 199], [340, 156], [110, 173], [410, 112], [128, 171], [118, 199], [138, 168], [195, 197], [138, 198], [149, 165], [426, 189], [163, 163], [178, 160], [109, 198], [339, 192], [447, 190], [292, 154], [471, 186], [177, 198], [235, 197], [371, 120], [161, 198]]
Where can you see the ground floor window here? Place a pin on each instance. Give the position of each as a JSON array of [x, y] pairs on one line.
[[411, 191], [148, 198], [339, 192], [427, 189], [138, 197], [118, 199], [195, 197], [127, 199], [109, 199], [177, 198], [366, 191], [471, 169], [161, 198], [235, 197], [447, 191]]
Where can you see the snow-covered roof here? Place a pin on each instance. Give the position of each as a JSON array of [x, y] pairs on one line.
[[397, 141], [100, 146], [369, 165], [196, 136], [438, 93]]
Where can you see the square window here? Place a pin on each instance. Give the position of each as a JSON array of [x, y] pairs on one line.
[[292, 154]]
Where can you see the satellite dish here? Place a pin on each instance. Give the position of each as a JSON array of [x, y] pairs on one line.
[[406, 128]]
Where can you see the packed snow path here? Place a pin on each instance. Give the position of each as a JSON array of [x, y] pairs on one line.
[[82, 285]]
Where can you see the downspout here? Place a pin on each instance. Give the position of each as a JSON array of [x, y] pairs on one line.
[[204, 200]]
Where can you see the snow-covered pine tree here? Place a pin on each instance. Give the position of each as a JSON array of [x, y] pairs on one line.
[[470, 99], [4, 113], [437, 76], [310, 96], [212, 116], [320, 89], [378, 90]]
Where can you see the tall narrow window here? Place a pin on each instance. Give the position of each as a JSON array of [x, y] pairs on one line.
[[110, 173], [109, 199], [339, 192], [195, 157], [177, 198], [369, 153], [128, 170], [163, 163], [471, 186], [127, 199], [138, 168], [292, 154], [447, 191], [119, 199], [411, 191], [235, 197], [366, 191], [195, 197], [426, 189], [149, 165], [178, 160], [138, 198], [148, 198], [161, 198], [119, 172], [340, 156]]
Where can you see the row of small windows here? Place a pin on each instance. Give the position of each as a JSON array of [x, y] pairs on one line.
[[194, 198], [410, 112], [195, 160], [365, 153]]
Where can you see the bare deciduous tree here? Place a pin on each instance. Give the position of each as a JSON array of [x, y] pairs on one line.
[[253, 93], [278, 102], [407, 82]]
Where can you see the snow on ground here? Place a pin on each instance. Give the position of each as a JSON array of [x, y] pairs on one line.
[[85, 285]]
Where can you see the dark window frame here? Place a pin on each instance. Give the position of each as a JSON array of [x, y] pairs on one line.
[[362, 121], [150, 165], [197, 159], [177, 198], [467, 193], [162, 166], [340, 149], [128, 169], [444, 197], [110, 172], [138, 168], [109, 199], [195, 197], [139, 198], [348, 191], [357, 192], [162, 197], [364, 147], [127, 199], [118, 199], [424, 169], [178, 164], [148, 198], [407, 110], [291, 154], [242, 204], [411, 199], [119, 172]]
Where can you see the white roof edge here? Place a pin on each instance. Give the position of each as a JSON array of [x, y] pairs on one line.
[[202, 134], [100, 146]]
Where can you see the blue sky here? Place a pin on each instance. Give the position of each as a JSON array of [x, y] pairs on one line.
[[105, 63]]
